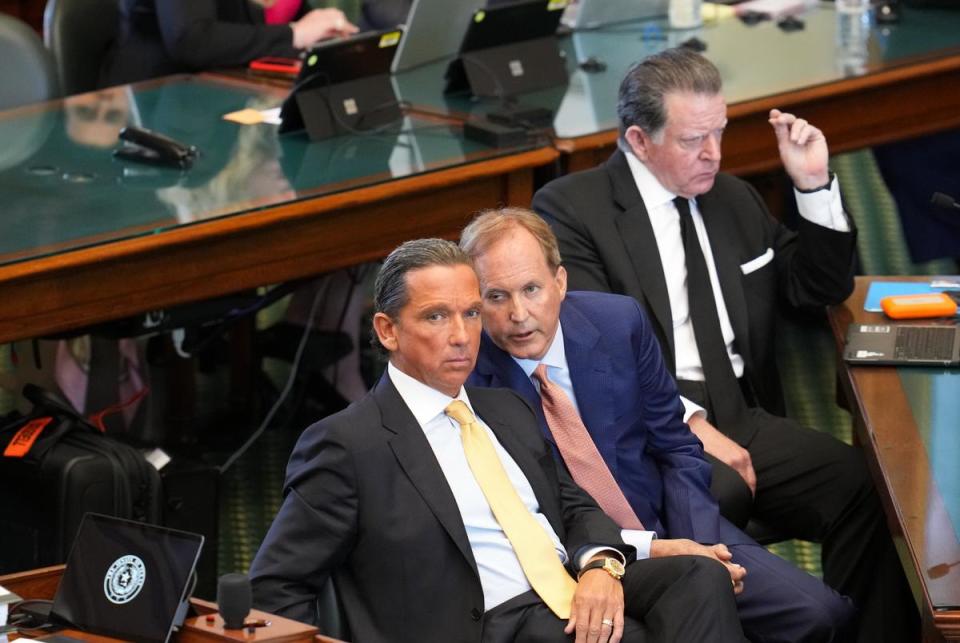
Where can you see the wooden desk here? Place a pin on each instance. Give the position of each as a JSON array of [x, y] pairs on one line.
[[905, 467], [910, 85], [81, 246], [42, 584]]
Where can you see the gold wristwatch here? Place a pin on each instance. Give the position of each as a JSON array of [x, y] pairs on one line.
[[610, 565]]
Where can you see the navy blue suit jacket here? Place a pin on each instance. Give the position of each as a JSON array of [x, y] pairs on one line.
[[629, 404]]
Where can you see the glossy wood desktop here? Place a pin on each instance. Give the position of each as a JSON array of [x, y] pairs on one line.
[[85, 238], [891, 410], [907, 85]]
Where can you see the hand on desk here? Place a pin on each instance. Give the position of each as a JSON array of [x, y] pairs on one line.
[[725, 450], [662, 547], [803, 150]]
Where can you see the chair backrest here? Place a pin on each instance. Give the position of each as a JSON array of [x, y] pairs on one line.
[[79, 33], [26, 73]]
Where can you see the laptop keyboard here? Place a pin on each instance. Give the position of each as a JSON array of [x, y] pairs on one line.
[[924, 343]]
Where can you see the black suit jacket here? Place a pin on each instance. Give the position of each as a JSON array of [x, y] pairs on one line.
[[607, 243], [367, 502], [162, 37]]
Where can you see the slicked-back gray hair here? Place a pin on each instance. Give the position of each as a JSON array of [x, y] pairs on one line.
[[390, 288], [491, 225], [646, 85]]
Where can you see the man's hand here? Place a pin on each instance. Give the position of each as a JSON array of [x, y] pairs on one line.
[[725, 450], [597, 602], [320, 24], [803, 150], [662, 547]]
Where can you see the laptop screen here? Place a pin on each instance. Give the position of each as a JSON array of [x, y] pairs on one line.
[[126, 579]]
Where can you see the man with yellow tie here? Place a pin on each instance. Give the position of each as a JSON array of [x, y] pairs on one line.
[[441, 514]]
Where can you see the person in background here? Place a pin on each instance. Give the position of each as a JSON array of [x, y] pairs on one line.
[[700, 251], [162, 37]]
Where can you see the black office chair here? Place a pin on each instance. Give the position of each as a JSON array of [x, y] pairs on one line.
[[79, 34], [26, 74]]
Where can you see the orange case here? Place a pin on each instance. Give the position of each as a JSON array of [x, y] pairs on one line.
[[935, 304]]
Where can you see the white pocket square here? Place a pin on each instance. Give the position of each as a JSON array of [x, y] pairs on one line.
[[756, 264]]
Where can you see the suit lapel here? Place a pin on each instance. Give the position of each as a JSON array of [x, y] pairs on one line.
[[499, 369], [590, 372], [415, 456], [635, 229], [726, 259], [505, 430]]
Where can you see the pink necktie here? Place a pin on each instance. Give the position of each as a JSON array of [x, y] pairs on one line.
[[580, 453]]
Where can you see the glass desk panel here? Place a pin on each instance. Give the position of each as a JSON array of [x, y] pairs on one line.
[[755, 62], [62, 189], [934, 398]]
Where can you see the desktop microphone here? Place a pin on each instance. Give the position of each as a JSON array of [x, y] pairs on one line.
[[944, 201], [234, 597]]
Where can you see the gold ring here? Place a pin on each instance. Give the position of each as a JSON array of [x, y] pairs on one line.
[[608, 622]]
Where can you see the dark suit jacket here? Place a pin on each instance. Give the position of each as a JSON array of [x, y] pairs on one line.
[[366, 500], [162, 37], [629, 404], [607, 243]]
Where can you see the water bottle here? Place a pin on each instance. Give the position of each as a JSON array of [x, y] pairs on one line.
[[685, 14], [853, 32]]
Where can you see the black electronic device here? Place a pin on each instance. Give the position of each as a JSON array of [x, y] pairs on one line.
[[510, 49], [903, 344], [344, 87], [127, 580], [944, 201], [234, 598], [146, 146]]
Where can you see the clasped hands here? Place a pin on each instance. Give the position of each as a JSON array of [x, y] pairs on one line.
[[597, 611]]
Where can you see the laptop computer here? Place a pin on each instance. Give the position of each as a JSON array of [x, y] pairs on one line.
[[127, 580], [903, 344], [510, 49], [434, 29], [509, 23], [590, 14], [349, 82]]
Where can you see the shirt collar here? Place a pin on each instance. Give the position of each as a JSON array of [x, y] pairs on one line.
[[654, 195], [556, 355], [424, 402]]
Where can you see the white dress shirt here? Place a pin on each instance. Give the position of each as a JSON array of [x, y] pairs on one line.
[[823, 207], [501, 576], [555, 360]]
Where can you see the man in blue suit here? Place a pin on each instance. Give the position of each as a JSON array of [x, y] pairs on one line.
[[600, 351]]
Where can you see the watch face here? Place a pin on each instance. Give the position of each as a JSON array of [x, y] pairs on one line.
[[614, 567]]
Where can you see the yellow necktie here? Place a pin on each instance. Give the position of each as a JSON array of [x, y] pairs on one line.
[[530, 541]]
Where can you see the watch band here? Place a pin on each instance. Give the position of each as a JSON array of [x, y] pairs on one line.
[[826, 186], [610, 565]]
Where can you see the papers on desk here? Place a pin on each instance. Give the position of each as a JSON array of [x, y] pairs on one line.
[[251, 116], [880, 289], [776, 9]]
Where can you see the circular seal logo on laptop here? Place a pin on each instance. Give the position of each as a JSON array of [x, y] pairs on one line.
[[124, 579]]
